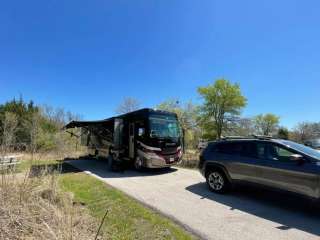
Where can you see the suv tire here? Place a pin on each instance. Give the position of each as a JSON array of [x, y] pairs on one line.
[[217, 181]]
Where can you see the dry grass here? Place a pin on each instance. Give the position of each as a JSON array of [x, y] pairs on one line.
[[190, 158], [43, 156], [35, 208], [45, 200], [27, 160]]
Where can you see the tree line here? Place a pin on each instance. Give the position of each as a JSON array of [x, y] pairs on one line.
[[26, 126], [29, 126], [220, 114]]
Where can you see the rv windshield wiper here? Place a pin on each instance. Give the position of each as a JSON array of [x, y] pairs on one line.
[[168, 138]]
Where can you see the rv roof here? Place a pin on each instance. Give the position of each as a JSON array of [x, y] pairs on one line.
[[73, 124], [150, 110]]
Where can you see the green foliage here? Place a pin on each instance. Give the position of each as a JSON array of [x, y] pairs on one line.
[[283, 133], [222, 101], [23, 112], [208, 129], [266, 124], [37, 127]]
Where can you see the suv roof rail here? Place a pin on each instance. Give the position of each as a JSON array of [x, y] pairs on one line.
[[253, 136], [234, 137], [262, 136]]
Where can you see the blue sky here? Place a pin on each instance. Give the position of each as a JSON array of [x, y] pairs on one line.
[[86, 56]]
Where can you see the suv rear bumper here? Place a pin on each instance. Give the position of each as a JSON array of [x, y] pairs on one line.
[[202, 170]]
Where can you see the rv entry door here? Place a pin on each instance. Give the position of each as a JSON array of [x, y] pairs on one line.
[[131, 140], [117, 136]]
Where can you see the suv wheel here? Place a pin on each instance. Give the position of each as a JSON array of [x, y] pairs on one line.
[[217, 181]]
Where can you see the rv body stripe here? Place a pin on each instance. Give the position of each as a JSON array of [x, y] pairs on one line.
[[148, 147]]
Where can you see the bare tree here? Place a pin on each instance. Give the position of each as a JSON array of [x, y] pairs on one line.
[[188, 117], [240, 126], [58, 116], [34, 129], [9, 127], [128, 104], [306, 131]]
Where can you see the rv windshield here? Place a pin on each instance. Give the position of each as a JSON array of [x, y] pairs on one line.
[[162, 126]]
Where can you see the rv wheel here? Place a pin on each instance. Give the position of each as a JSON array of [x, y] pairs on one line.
[[110, 162], [138, 163]]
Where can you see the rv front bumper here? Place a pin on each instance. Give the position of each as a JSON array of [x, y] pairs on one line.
[[155, 163], [151, 160]]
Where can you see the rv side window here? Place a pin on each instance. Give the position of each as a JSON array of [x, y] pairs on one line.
[[131, 130], [141, 132]]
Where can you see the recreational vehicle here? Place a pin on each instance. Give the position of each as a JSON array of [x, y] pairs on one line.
[[146, 138]]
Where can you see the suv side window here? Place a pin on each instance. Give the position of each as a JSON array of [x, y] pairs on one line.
[[262, 150], [231, 148], [249, 149], [246, 149], [279, 153]]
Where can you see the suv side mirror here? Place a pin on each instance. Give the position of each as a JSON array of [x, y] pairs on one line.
[[297, 158]]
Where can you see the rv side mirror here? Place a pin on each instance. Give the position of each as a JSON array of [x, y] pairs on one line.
[[141, 132], [153, 134]]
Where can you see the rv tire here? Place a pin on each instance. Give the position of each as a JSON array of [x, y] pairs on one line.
[[110, 162], [138, 164]]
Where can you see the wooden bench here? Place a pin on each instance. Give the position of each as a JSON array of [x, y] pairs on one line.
[[9, 162]]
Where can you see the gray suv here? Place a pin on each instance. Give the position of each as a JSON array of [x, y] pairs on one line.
[[275, 163]]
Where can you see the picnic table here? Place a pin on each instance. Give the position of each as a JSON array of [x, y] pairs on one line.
[[9, 161]]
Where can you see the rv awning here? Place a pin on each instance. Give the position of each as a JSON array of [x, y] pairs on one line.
[[74, 124]]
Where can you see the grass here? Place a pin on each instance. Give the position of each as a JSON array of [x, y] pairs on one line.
[[126, 218]]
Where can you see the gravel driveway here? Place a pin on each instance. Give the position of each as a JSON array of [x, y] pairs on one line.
[[246, 213]]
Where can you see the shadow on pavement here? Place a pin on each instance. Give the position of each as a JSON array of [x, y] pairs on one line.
[[45, 169], [290, 211], [99, 167]]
